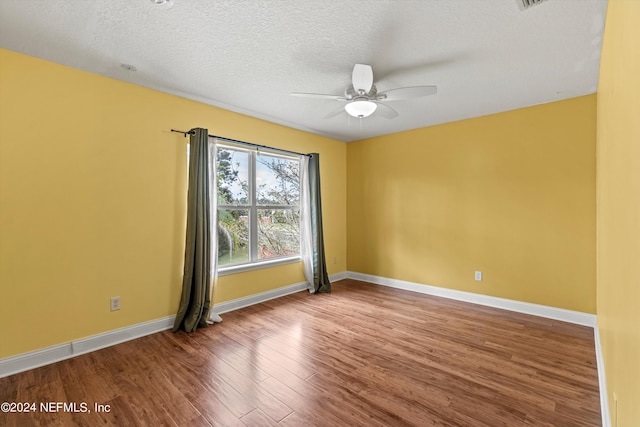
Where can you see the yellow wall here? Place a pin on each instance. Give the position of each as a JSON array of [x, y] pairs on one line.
[[510, 194], [618, 225], [92, 195]]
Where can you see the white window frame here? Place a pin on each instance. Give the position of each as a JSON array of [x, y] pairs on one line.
[[254, 262]]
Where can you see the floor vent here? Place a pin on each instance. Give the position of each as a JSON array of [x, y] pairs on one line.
[[526, 4]]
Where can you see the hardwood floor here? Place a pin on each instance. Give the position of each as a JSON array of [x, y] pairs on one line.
[[364, 355]]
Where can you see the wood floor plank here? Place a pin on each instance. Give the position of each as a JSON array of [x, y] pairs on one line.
[[316, 411], [363, 355], [215, 412], [343, 390], [248, 388], [257, 418], [410, 412]]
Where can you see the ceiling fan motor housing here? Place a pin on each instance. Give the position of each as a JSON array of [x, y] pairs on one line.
[[351, 94]]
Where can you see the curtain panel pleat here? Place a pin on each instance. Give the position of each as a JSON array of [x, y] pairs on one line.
[[200, 242], [312, 248]]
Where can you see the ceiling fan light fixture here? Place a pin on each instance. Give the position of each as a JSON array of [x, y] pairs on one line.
[[360, 109]]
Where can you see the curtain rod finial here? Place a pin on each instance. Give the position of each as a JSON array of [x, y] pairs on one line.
[[184, 133]]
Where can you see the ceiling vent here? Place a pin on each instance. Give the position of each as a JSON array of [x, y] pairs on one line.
[[526, 4]]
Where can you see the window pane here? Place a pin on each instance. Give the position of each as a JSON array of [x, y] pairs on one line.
[[232, 173], [233, 236], [278, 233], [277, 181]]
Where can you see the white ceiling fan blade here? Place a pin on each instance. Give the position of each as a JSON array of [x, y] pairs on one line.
[[386, 111], [335, 112], [318, 96], [407, 93], [362, 78]]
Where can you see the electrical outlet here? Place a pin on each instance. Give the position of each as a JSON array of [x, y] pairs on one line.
[[478, 276], [115, 303], [335, 260]]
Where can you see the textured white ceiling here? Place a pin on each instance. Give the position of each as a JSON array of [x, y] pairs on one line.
[[485, 56]]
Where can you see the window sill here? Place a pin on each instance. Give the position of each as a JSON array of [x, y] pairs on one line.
[[232, 269]]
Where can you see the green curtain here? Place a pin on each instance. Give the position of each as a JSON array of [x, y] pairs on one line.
[[321, 281], [196, 282]]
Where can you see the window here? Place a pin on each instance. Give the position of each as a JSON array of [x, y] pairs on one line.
[[258, 207]]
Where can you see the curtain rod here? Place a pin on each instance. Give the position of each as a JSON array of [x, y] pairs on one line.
[[243, 142]]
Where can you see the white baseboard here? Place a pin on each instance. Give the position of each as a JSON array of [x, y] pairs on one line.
[[604, 398], [34, 359], [564, 315], [338, 276], [236, 304]]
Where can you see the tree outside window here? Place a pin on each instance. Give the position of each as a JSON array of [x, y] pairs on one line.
[[258, 206]]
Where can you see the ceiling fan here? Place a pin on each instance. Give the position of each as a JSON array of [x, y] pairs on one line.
[[362, 97]]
